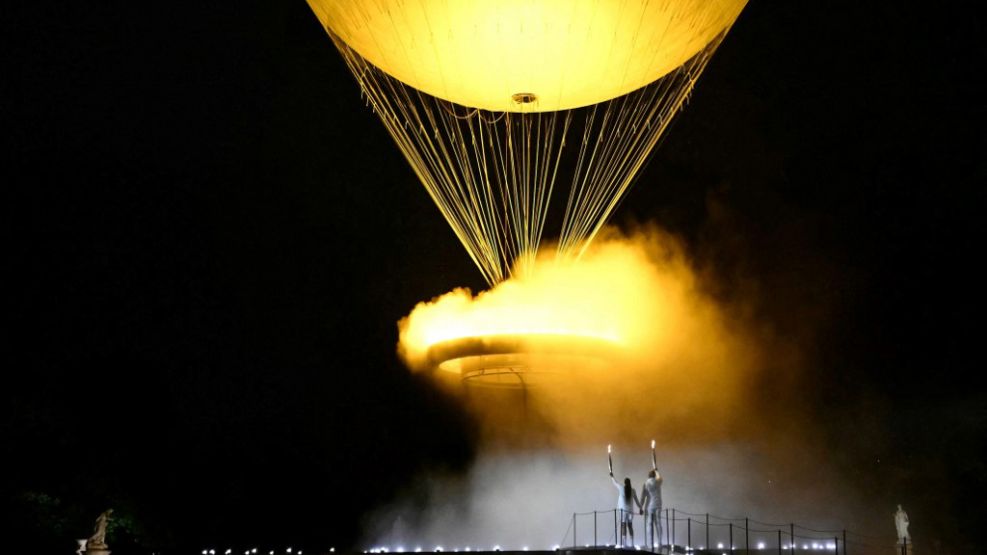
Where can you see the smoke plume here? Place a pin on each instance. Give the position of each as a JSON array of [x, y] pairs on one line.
[[685, 371]]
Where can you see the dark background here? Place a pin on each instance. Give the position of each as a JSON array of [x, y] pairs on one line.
[[210, 239]]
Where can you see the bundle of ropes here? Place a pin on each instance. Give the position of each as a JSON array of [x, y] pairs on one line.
[[525, 115], [492, 174]]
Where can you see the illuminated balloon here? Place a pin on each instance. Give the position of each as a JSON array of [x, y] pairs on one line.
[[482, 95], [567, 53]]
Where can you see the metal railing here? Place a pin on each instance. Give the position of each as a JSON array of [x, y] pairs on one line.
[[686, 531]]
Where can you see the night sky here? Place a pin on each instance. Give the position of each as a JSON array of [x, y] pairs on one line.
[[210, 239]]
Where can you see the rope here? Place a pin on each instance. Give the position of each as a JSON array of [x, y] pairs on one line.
[[819, 531], [493, 174], [566, 535]]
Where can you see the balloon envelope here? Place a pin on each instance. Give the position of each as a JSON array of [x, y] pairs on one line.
[[527, 55]]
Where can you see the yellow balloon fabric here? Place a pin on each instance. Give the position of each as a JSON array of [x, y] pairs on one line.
[[527, 55]]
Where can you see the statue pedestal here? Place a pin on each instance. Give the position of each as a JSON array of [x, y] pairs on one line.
[[905, 549], [92, 551]]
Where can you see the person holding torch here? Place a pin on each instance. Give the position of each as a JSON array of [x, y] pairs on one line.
[[625, 496], [651, 499]]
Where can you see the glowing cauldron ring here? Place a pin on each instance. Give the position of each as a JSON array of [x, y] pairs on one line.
[[499, 360]]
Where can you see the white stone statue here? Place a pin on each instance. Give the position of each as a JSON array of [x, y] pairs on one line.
[[82, 546], [901, 523], [98, 540]]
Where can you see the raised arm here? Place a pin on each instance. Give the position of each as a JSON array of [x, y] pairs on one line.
[[615, 484]]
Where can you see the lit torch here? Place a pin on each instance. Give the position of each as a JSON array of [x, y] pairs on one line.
[[610, 458], [654, 460]]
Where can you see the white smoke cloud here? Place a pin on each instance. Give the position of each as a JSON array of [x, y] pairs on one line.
[[688, 381]]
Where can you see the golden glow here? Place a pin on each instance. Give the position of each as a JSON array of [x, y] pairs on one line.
[[593, 297], [679, 350], [527, 55], [614, 294]]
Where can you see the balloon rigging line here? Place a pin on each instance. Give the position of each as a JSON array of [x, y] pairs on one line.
[[492, 175]]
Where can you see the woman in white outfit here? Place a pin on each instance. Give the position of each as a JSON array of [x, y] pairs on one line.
[[625, 496]]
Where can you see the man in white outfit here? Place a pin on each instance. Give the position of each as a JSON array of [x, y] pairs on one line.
[[651, 500]]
